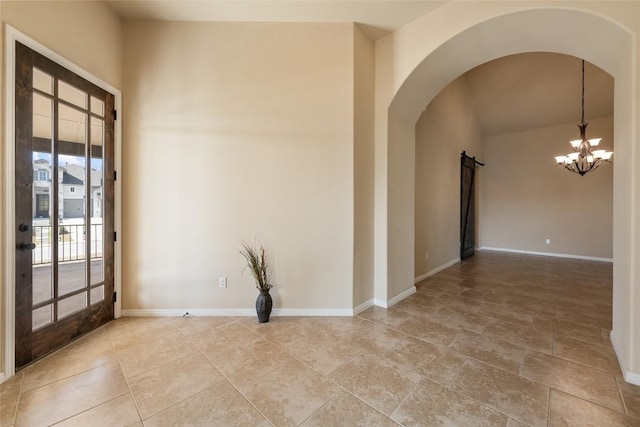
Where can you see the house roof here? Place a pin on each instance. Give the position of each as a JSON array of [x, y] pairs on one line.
[[70, 179], [72, 174], [78, 172]]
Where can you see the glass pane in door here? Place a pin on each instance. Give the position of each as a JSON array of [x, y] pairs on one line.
[[42, 316], [72, 265], [97, 107], [96, 234], [72, 94], [41, 203], [97, 294], [72, 304], [42, 81]]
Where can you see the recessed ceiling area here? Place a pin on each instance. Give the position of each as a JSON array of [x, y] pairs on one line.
[[536, 90]]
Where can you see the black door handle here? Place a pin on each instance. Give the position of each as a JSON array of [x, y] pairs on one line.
[[26, 246], [23, 227]]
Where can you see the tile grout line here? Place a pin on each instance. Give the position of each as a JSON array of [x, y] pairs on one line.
[[135, 402], [549, 408], [335, 396], [359, 398], [71, 376], [163, 364], [585, 399], [15, 411], [415, 386], [229, 381], [235, 387], [41, 361], [621, 395], [455, 377], [486, 404], [283, 350], [89, 409]]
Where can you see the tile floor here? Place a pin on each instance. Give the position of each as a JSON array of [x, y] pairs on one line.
[[500, 339]]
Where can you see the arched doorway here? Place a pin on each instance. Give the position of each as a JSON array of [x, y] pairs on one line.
[[579, 33]]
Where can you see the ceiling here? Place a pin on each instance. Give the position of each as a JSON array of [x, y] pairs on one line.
[[535, 90], [510, 94], [377, 17]]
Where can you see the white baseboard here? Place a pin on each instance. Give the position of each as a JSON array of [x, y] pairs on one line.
[[362, 307], [2, 377], [436, 270], [176, 312], [311, 312], [553, 254], [380, 303], [630, 377], [401, 296], [396, 299]]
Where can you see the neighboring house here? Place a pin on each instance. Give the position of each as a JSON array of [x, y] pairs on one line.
[[41, 188], [71, 197], [72, 203]]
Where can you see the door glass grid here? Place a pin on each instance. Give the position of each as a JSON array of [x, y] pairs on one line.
[[67, 262]]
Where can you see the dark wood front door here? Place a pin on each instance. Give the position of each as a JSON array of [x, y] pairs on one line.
[[64, 163]]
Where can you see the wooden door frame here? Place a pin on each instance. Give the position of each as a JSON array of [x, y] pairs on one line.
[[11, 37]]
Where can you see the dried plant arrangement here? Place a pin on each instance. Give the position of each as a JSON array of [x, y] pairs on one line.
[[257, 264]]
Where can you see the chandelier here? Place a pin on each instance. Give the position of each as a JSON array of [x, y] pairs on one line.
[[583, 159]]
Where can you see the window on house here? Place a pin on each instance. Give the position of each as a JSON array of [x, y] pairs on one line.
[[42, 204], [40, 175], [72, 189]]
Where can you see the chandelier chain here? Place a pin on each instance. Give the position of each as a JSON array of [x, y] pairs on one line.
[[582, 119]]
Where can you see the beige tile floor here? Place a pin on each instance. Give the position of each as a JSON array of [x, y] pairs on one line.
[[500, 339]]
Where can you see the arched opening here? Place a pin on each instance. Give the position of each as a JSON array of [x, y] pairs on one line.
[[514, 113], [606, 45]]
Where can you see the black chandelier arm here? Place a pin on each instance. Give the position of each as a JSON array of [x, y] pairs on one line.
[[575, 166]]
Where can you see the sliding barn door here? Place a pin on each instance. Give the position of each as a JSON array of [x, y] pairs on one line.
[[467, 206]]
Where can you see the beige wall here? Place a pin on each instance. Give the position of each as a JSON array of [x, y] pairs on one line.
[[87, 33], [364, 85], [448, 126], [526, 202], [237, 132]]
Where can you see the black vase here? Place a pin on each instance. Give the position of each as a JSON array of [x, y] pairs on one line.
[[264, 303]]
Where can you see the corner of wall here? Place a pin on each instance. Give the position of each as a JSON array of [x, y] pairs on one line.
[[363, 171], [3, 242], [630, 377]]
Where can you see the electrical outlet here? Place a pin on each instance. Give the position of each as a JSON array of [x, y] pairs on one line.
[[548, 241], [222, 282]]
